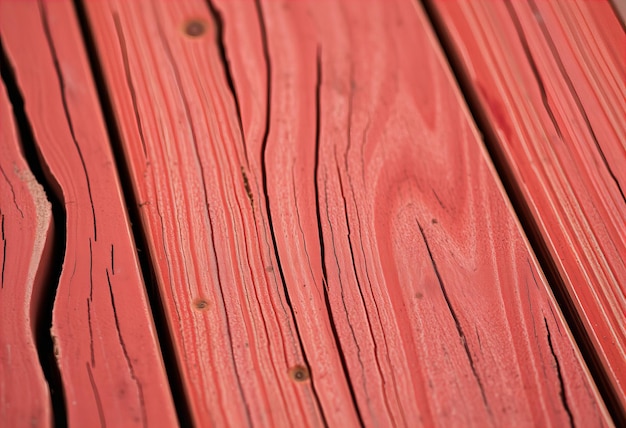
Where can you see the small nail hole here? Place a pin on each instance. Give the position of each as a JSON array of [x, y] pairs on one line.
[[195, 28], [299, 373], [201, 304]]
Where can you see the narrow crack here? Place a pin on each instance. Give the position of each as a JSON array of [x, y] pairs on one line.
[[91, 344], [131, 369], [12, 192], [43, 322], [112, 260], [4, 253], [557, 365], [221, 46], [362, 298], [457, 323], [96, 396]]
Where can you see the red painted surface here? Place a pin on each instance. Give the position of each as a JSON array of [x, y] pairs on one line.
[[105, 340], [25, 234], [329, 227], [550, 76]]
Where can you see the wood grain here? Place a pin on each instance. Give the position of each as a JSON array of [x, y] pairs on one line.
[[330, 240], [105, 341], [550, 77], [26, 231]]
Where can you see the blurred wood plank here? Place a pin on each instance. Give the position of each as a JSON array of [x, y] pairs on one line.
[[324, 222], [26, 231], [550, 77], [106, 345]]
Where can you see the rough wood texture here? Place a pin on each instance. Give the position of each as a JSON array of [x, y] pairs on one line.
[[105, 341], [26, 232], [550, 76], [324, 223]]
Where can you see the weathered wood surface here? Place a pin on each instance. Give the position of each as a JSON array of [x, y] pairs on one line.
[[26, 232], [330, 241], [551, 79], [105, 340]]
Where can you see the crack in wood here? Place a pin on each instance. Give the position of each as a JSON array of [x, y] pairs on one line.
[[352, 89], [228, 74], [12, 192], [533, 66], [96, 396], [316, 178], [362, 297], [90, 270], [129, 80], [268, 68], [61, 80], [220, 288], [246, 185], [131, 369], [557, 366], [4, 253], [574, 93], [112, 260], [457, 322], [91, 347]]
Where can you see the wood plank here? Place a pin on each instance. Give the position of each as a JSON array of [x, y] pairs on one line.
[[550, 77], [106, 345], [239, 351], [26, 231], [324, 221]]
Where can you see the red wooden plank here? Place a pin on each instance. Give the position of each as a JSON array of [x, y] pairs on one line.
[[238, 348], [25, 231], [106, 345], [550, 77], [352, 222]]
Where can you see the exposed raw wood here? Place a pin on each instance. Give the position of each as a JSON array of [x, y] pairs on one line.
[[106, 344], [324, 222], [26, 232], [550, 77]]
